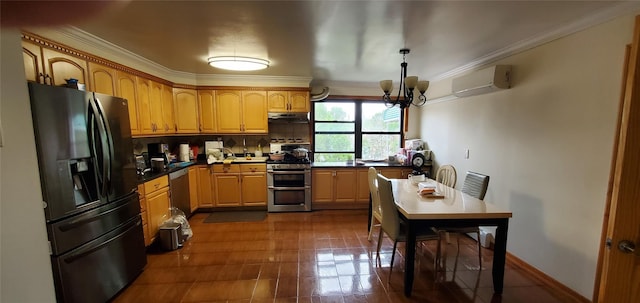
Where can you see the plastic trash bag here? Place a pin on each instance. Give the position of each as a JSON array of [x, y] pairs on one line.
[[178, 216]]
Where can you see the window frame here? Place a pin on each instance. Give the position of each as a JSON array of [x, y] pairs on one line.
[[358, 132]]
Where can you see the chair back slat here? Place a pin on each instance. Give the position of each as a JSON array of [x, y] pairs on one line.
[[390, 217], [475, 185], [446, 175], [372, 175]]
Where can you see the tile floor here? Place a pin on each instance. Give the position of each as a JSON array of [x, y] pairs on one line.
[[321, 256]]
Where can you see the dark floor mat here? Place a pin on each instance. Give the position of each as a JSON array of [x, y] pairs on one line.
[[236, 216]]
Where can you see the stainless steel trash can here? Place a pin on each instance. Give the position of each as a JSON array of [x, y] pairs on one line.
[[170, 235]]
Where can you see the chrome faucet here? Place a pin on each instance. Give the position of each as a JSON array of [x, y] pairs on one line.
[[245, 151]]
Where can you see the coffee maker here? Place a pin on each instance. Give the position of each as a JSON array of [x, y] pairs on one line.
[[158, 150]]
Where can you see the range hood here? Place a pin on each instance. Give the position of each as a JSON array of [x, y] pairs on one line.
[[288, 117]]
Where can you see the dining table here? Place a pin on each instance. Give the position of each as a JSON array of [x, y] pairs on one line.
[[448, 207]]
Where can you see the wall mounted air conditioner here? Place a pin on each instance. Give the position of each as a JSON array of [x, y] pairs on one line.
[[483, 81]]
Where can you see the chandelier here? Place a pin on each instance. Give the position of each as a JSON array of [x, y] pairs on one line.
[[407, 85]]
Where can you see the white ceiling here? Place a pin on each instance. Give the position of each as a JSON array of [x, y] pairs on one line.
[[353, 41]]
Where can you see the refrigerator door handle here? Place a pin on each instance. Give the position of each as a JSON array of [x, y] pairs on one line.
[[109, 136], [96, 119], [88, 219]]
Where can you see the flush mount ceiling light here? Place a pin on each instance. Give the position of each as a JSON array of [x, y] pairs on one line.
[[238, 63], [407, 84]]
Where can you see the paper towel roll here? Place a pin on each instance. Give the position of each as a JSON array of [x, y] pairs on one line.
[[184, 152]]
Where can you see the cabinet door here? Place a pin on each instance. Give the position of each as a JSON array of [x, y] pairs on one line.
[[102, 79], [345, 185], [60, 67], [254, 189], [155, 99], [322, 185], [227, 189], [277, 101], [186, 109], [32, 57], [126, 88], [391, 173], [299, 102], [205, 194], [228, 111], [362, 188], [143, 88], [168, 120], [193, 188], [206, 110], [254, 112], [158, 204]]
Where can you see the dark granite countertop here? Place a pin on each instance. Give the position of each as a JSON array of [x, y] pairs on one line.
[[172, 168], [360, 164]]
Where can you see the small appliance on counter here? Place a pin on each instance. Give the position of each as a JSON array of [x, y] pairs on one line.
[[184, 153]]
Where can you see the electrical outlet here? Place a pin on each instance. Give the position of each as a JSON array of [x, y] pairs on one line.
[[466, 153]]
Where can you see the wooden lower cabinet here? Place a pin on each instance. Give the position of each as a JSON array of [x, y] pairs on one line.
[[347, 188], [157, 202], [395, 172], [334, 188], [144, 214], [240, 185], [205, 186], [253, 184], [193, 189]]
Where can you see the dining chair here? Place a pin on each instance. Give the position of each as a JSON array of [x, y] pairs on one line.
[[376, 212], [446, 175], [393, 226], [474, 185]]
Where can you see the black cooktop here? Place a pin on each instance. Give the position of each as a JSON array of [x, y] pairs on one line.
[[290, 159]]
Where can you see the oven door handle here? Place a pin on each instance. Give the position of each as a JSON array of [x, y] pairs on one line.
[[288, 188], [287, 172]]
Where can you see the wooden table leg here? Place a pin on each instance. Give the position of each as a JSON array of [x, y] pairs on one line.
[[499, 255], [409, 259]]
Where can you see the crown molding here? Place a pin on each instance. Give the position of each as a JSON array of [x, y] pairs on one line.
[[251, 80], [622, 9], [77, 38]]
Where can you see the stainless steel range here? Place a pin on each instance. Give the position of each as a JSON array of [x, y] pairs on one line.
[[289, 184]]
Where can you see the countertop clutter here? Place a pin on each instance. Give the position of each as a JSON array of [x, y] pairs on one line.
[[150, 175], [173, 167]]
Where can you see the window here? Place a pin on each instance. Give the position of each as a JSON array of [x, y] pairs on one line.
[[350, 129]]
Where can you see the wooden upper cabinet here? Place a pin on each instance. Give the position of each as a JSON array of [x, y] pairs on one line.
[[126, 88], [60, 67], [186, 110], [299, 102], [288, 101], [102, 79], [168, 120], [228, 104], [47, 66], [143, 87], [32, 57], [254, 112], [207, 112], [155, 99], [278, 101]]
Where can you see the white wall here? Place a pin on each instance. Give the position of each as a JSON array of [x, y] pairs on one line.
[[25, 269], [547, 144]]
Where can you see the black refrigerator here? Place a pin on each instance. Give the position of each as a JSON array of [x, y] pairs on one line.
[[89, 188]]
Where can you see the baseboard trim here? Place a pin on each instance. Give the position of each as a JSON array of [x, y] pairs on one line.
[[567, 294]]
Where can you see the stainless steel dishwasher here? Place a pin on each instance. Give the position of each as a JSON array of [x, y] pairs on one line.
[[179, 186]]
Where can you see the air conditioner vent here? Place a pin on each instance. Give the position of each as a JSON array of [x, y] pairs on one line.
[[483, 81]]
